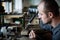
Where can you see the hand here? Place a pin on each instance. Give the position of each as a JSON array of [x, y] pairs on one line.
[[32, 34]]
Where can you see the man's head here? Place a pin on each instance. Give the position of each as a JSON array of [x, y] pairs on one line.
[[48, 9]]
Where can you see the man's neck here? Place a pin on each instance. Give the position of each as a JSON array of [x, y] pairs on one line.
[[55, 21]]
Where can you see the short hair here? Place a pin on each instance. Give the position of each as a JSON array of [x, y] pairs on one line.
[[51, 6]]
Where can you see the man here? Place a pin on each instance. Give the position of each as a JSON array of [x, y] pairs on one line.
[[49, 14], [1, 9]]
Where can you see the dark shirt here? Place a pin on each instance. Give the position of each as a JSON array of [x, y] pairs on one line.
[[55, 31]]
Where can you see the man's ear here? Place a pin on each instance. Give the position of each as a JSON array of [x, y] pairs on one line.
[[50, 14]]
